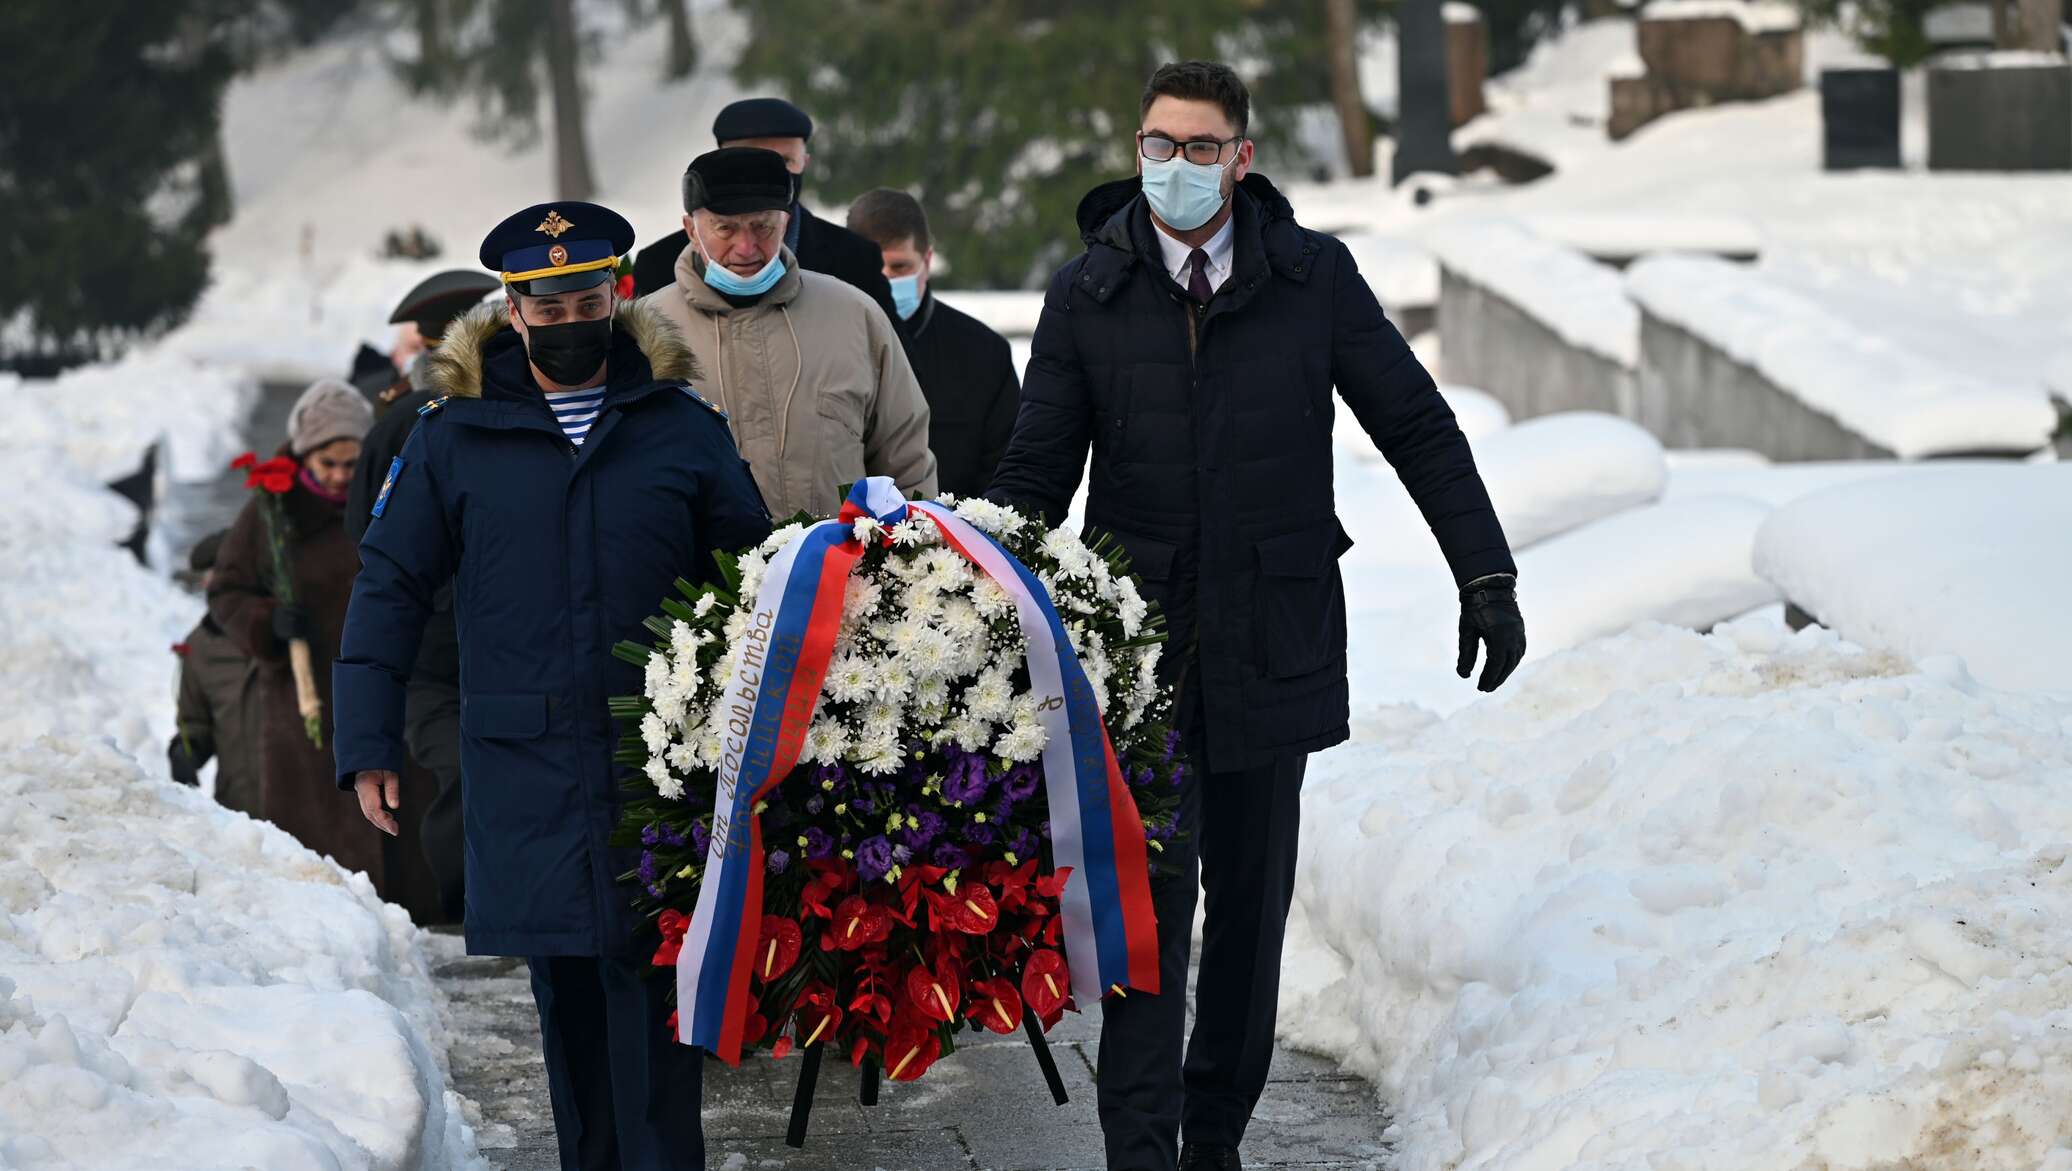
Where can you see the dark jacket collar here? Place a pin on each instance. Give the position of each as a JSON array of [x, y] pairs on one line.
[[1115, 222], [923, 314]]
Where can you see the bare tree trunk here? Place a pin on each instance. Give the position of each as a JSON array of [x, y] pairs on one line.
[[1341, 27], [1424, 131], [431, 39], [683, 50], [2042, 22], [572, 176]]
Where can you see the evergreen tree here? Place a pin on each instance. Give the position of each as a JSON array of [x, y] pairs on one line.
[[108, 169], [998, 114]]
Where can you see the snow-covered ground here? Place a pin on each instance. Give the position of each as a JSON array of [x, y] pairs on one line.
[[180, 986]]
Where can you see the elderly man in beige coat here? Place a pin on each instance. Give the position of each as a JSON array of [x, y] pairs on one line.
[[809, 370]]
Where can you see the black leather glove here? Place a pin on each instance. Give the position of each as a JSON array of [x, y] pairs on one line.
[[185, 758], [291, 623], [1489, 614]]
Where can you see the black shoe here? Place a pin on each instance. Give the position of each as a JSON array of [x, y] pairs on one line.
[[1199, 1157]]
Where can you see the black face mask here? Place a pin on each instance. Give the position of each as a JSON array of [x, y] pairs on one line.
[[571, 352]]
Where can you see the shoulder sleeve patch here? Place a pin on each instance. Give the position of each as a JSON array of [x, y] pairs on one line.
[[430, 408], [388, 483], [702, 401]]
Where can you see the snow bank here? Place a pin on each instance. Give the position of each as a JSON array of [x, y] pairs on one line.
[[100, 419], [1779, 484], [1583, 302], [180, 986], [1748, 901], [1933, 561], [298, 323], [1875, 385], [1478, 412], [1754, 16], [1402, 273], [1625, 235]]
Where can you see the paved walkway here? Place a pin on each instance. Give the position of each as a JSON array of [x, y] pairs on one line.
[[983, 1107]]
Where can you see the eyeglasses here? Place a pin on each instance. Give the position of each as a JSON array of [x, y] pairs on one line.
[[1204, 151]]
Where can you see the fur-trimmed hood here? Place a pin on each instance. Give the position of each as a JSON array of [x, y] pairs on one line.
[[457, 364]]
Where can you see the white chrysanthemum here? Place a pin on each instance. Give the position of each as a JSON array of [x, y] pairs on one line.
[[867, 529], [710, 750], [930, 654], [991, 697], [918, 602], [969, 732], [665, 783], [1071, 554], [986, 516], [657, 675], [737, 625], [826, 741], [876, 755], [991, 600], [1130, 606], [706, 601], [779, 538], [860, 599], [1023, 741], [654, 733], [931, 700], [895, 681], [850, 678], [683, 758], [914, 532], [960, 620]]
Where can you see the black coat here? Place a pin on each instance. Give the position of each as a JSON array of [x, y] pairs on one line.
[[556, 554], [823, 247], [967, 374], [438, 656], [1211, 438]]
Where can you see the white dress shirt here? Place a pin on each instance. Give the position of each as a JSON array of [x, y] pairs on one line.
[[1221, 249]]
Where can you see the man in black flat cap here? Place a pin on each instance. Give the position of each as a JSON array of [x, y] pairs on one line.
[[431, 720], [776, 125]]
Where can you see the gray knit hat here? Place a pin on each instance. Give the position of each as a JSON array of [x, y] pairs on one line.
[[328, 410]]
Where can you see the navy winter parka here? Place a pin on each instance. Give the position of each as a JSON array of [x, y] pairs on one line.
[[556, 553], [1210, 429]]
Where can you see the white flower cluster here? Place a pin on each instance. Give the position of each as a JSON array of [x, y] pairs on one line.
[[929, 650]]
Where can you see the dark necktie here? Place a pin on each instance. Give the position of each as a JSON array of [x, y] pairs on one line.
[[1198, 285]]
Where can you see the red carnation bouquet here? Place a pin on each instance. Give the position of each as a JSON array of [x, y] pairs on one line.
[[272, 480]]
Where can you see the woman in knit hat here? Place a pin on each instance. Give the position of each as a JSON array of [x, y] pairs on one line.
[[298, 786]]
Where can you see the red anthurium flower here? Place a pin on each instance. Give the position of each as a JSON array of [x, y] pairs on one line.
[[859, 923], [753, 1028], [1045, 982], [673, 924], [1050, 886], [972, 910], [182, 649], [782, 1047], [996, 1005], [778, 947], [818, 1014], [872, 1004], [244, 461], [935, 994], [910, 1050]]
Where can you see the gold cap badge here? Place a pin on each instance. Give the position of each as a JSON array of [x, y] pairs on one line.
[[554, 225], [557, 256]]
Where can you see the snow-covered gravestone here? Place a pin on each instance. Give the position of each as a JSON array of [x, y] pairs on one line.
[[2009, 111]]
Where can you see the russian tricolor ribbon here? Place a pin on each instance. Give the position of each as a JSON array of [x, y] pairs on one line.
[[772, 689]]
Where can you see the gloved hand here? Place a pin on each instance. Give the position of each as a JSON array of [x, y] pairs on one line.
[[185, 760], [1489, 614], [291, 623]]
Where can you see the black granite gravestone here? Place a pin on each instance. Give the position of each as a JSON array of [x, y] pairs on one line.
[[1859, 111]]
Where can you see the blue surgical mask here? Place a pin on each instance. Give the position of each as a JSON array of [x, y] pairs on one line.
[[723, 280], [906, 294], [1185, 195]]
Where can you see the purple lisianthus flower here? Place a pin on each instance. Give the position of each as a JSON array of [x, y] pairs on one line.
[[668, 834], [980, 833], [949, 856], [1024, 844], [818, 844], [647, 874], [815, 804], [1021, 781], [928, 827], [701, 838], [863, 805], [902, 855], [648, 836], [778, 861], [967, 781], [831, 772], [873, 858]]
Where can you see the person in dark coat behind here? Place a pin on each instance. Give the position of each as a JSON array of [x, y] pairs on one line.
[[1195, 346], [219, 706], [431, 721], [297, 789], [564, 483], [775, 124], [966, 371]]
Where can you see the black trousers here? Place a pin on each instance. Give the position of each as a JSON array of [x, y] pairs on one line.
[[431, 728], [1241, 836], [626, 1096]]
